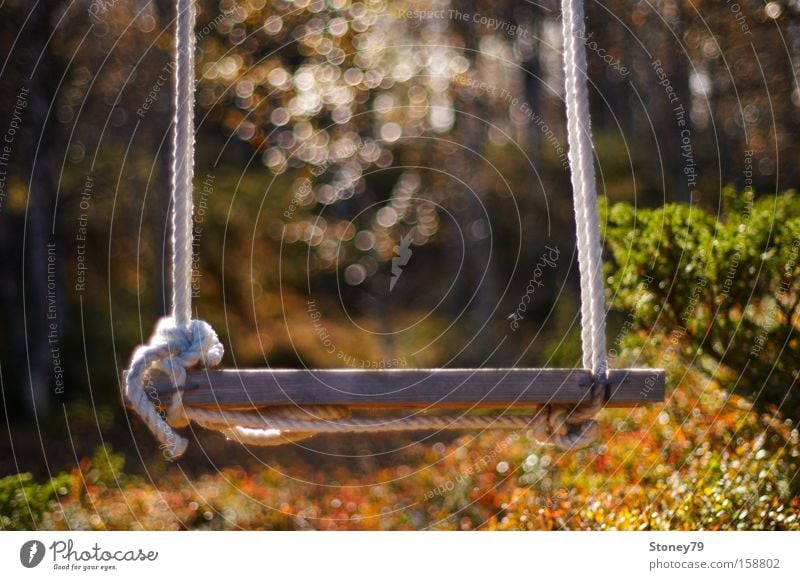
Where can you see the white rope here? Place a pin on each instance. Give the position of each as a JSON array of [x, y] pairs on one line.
[[183, 165], [584, 189], [172, 349], [180, 343], [566, 428]]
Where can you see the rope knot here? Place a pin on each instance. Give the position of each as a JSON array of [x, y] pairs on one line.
[[173, 350], [557, 421], [571, 428], [187, 347]]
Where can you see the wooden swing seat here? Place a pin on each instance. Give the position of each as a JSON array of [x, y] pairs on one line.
[[483, 388]]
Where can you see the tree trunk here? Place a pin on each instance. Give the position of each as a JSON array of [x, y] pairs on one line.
[[44, 299]]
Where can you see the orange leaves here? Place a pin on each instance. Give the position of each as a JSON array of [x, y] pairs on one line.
[[704, 460]]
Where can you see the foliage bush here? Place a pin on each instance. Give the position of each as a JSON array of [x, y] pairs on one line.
[[24, 503], [721, 291]]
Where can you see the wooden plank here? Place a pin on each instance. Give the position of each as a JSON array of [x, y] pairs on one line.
[[439, 388]]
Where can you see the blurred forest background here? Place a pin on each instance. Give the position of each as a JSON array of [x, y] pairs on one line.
[[331, 135]]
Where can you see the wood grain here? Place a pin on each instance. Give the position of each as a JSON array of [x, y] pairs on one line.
[[439, 388]]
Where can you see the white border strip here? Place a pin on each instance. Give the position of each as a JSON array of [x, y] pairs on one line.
[[401, 555]]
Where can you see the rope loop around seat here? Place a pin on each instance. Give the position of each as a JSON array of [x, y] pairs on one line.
[[172, 350]]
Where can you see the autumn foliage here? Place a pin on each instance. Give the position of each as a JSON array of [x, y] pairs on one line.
[[705, 459]]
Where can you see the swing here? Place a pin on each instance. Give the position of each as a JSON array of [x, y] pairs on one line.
[[173, 372]]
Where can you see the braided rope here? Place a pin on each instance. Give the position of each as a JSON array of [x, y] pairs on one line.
[[171, 350], [584, 189], [183, 165], [180, 343], [557, 425]]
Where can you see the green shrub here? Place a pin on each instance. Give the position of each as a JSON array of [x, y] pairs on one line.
[[721, 291], [23, 502]]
